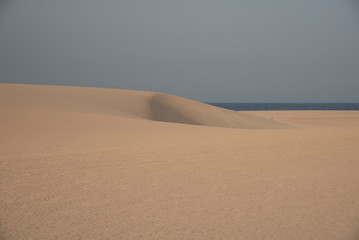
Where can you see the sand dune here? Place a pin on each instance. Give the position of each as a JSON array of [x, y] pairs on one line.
[[89, 163], [135, 104]]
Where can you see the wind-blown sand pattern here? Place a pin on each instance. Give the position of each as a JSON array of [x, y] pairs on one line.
[[89, 163]]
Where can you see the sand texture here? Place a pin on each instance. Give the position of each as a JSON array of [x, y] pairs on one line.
[[90, 163]]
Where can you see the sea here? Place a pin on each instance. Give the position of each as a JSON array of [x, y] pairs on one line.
[[287, 106]]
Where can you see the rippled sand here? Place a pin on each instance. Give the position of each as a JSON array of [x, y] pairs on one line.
[[90, 163]]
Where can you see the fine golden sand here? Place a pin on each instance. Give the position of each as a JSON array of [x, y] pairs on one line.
[[90, 163]]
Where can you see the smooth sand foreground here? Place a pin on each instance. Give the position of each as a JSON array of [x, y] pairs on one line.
[[87, 163]]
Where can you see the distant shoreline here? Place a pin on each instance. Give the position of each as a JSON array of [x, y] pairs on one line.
[[287, 106]]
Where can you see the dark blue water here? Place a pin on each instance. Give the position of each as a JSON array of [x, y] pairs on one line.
[[287, 106]]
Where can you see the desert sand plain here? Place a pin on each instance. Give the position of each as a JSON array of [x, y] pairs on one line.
[[91, 163]]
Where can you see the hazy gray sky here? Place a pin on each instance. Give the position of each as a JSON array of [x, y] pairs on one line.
[[223, 50]]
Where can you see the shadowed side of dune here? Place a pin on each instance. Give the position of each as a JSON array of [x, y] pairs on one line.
[[170, 108]]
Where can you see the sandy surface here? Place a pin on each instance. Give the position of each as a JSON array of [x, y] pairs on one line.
[[87, 163]]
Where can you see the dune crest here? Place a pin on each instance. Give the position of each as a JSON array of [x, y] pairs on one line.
[[130, 103]]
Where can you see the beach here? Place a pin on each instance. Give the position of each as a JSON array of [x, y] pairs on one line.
[[93, 163]]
